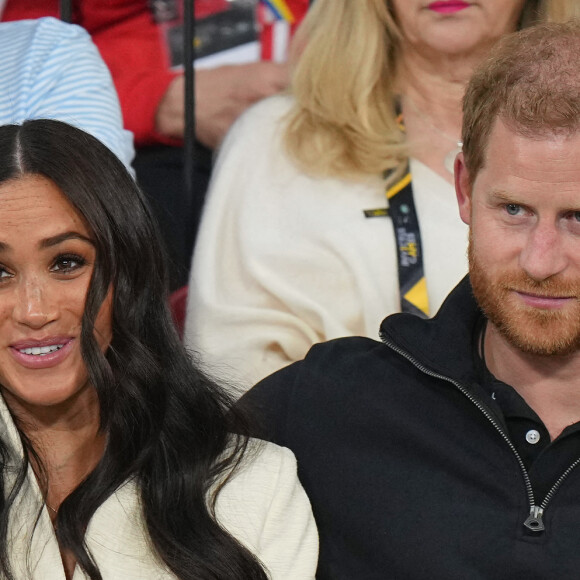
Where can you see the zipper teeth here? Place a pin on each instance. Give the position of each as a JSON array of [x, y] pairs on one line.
[[471, 398], [558, 483], [486, 413]]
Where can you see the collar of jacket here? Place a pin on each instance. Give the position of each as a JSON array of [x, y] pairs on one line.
[[444, 343]]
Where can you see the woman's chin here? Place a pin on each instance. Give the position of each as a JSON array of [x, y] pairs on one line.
[[37, 397]]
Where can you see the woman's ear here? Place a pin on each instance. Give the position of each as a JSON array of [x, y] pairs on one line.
[[462, 189]]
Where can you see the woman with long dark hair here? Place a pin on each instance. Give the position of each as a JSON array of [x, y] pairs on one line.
[[117, 454]]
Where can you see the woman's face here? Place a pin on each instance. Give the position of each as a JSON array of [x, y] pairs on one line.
[[455, 27], [46, 260]]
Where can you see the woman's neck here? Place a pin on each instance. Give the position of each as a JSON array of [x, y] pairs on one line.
[[430, 69], [68, 443], [431, 96], [438, 101], [66, 438]]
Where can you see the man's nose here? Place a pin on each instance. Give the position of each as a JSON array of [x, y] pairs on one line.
[[543, 255]]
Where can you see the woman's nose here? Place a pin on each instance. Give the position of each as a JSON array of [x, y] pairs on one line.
[[35, 306]]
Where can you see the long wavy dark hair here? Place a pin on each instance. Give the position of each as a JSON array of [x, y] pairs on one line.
[[168, 426]]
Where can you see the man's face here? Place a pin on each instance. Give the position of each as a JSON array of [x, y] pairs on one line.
[[524, 253]]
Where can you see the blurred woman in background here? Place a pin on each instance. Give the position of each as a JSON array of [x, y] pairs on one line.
[[334, 206]]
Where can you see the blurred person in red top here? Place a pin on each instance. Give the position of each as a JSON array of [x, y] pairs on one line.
[[151, 94]]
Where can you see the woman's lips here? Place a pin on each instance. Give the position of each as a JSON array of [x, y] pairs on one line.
[[42, 354], [448, 7]]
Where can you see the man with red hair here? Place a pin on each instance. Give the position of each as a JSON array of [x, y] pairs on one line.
[[451, 449]]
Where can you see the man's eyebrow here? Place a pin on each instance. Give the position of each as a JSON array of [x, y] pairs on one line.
[[502, 195]]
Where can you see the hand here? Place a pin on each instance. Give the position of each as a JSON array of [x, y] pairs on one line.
[[222, 94]]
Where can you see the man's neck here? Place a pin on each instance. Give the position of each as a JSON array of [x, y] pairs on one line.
[[549, 384]]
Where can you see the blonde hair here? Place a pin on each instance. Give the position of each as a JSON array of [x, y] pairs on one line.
[[562, 10], [343, 123]]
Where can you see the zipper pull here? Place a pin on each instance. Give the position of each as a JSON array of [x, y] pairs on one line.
[[534, 521]]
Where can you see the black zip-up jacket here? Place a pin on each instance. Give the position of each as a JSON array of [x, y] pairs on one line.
[[407, 461]]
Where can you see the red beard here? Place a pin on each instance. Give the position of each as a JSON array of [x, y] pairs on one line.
[[546, 332]]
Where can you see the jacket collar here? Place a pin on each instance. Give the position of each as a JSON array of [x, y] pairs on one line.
[[117, 535], [10, 436], [444, 343]]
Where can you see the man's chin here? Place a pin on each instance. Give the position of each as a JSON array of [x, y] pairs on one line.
[[537, 318], [540, 333]]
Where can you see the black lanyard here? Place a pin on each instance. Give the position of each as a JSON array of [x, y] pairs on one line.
[[401, 209], [412, 283]]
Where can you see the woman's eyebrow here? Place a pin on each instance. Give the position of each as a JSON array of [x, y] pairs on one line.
[[55, 240]]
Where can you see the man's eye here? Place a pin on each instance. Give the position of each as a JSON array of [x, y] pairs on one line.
[[4, 273], [576, 215], [513, 208], [67, 263]]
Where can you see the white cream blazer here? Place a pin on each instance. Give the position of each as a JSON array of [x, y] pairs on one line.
[[263, 506]]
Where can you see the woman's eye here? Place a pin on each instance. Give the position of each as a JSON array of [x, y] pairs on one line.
[[67, 263], [513, 208], [576, 215], [4, 274]]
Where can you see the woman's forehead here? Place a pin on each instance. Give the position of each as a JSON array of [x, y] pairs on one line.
[[33, 208]]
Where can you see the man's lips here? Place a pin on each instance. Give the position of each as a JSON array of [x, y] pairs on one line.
[[40, 354], [544, 301], [448, 7]]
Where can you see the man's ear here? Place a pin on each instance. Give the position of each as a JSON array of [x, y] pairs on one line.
[[462, 189]]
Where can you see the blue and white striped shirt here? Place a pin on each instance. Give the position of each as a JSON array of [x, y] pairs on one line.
[[52, 70]]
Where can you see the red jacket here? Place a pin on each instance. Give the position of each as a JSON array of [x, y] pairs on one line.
[[131, 44]]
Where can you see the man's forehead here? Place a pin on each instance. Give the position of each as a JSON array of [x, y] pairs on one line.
[[504, 129], [518, 159]]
